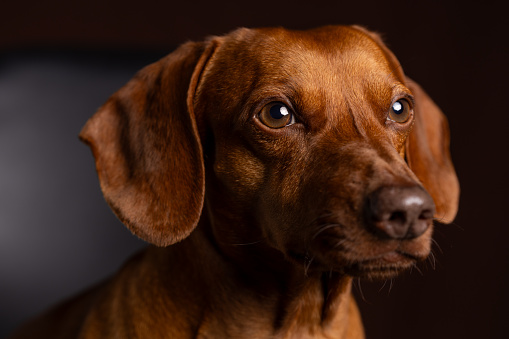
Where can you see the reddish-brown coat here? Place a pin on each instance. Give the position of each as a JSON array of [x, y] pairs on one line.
[[266, 226]]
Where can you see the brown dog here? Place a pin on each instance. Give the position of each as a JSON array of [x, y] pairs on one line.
[[278, 164]]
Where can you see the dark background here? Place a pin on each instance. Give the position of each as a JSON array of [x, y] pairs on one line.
[[60, 60]]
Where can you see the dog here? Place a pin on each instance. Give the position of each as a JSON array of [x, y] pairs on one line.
[[278, 165]]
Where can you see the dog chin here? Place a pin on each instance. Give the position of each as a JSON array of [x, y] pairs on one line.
[[386, 266]]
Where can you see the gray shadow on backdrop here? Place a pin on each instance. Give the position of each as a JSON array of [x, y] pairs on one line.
[[57, 235]]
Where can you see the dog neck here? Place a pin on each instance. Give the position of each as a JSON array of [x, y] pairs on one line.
[[320, 304], [257, 288]]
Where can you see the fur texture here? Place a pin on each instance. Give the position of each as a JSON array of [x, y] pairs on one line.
[[267, 226]]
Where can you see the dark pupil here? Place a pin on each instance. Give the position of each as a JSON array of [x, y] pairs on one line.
[[278, 111], [397, 107]]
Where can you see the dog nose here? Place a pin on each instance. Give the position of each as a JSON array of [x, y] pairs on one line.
[[399, 212]]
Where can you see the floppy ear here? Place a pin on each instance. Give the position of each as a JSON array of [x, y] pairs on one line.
[[427, 154], [147, 149]]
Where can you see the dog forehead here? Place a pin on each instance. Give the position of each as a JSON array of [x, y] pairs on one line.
[[329, 66], [332, 50], [327, 73]]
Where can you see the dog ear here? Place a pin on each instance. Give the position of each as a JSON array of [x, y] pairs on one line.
[[427, 154], [147, 150]]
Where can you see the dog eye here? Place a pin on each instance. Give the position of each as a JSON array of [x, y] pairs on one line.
[[276, 115], [400, 111]]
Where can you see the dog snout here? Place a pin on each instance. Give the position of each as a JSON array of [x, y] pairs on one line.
[[399, 212]]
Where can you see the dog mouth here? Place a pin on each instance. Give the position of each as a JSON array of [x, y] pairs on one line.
[[384, 266], [365, 257]]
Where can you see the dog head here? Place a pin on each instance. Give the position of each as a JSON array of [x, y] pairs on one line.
[[313, 141]]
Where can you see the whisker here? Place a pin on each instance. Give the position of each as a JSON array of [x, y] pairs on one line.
[[394, 69], [418, 269], [247, 243], [437, 245], [322, 216], [457, 225], [324, 229], [306, 268], [339, 243], [360, 289], [390, 286], [441, 220], [432, 260]]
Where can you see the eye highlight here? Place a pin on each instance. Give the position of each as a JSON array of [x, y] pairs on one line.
[[276, 115], [400, 111]]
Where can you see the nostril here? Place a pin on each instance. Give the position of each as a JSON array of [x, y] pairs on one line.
[[398, 216], [426, 215], [399, 212]]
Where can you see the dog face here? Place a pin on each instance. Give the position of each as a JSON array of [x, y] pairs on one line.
[[303, 132], [308, 146]]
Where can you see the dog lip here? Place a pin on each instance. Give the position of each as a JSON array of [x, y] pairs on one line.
[[392, 257]]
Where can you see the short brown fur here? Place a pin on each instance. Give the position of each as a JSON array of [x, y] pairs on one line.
[[267, 227]]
